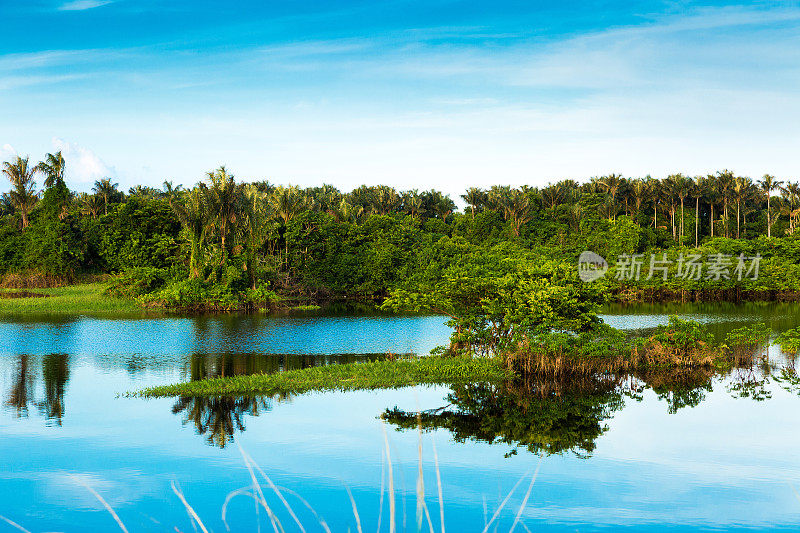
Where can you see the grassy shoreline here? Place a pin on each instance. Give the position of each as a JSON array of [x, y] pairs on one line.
[[82, 299], [350, 376]]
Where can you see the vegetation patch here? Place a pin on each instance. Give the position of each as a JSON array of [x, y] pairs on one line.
[[351, 376], [85, 299], [678, 345], [790, 341]]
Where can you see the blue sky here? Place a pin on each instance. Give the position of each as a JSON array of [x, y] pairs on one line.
[[439, 94]]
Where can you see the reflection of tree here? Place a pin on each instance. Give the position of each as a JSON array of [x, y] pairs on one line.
[[679, 388], [55, 374], [219, 418], [205, 366], [21, 393], [544, 418]]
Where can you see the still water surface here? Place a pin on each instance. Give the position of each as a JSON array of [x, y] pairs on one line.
[[707, 456]]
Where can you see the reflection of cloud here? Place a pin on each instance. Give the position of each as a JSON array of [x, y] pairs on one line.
[[82, 5], [83, 165]]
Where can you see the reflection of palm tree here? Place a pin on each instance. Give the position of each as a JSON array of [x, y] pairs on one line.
[[55, 374], [22, 390], [219, 418]]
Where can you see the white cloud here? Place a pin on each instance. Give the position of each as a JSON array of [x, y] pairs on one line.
[[7, 151], [82, 5], [83, 165]]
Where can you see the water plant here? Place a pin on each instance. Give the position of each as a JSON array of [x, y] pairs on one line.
[[789, 341]]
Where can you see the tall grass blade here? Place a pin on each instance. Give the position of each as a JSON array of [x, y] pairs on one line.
[[192, 514], [422, 506], [438, 482], [355, 509], [383, 487], [13, 524], [321, 520], [101, 500], [391, 481], [527, 495], [275, 490], [276, 523], [420, 477], [503, 503]]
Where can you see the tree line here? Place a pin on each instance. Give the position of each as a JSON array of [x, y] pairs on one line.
[[245, 236]]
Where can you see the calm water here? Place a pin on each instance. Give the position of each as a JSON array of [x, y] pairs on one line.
[[699, 453]]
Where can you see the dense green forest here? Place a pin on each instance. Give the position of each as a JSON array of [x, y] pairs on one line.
[[224, 244]]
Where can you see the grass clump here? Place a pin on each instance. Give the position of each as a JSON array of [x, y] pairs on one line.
[[790, 341], [350, 376], [83, 299], [680, 344]]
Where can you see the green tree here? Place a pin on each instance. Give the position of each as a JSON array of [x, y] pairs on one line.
[[769, 184], [106, 190], [22, 195]]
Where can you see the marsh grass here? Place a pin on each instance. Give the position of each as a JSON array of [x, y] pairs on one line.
[[84, 299], [401, 372], [679, 345]]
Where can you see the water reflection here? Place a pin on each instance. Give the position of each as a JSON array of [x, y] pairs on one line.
[[217, 419], [556, 416], [541, 417], [25, 377]]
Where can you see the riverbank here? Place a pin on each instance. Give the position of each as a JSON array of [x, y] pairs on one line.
[[83, 299]]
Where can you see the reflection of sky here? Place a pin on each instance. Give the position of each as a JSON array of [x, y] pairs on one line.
[[177, 336], [727, 463]]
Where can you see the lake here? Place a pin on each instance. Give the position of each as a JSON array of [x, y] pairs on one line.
[[705, 453]]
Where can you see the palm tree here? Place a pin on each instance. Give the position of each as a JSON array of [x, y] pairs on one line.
[[682, 186], [640, 192], [517, 209], [611, 184], [224, 203], [712, 197], [105, 189], [347, 211], [696, 192], [669, 191], [413, 203], [439, 204], [171, 191], [287, 203], [53, 169], [575, 214], [193, 212], [553, 196], [90, 204], [385, 199], [22, 195], [791, 194], [739, 190], [768, 184], [475, 198], [725, 179], [256, 228]]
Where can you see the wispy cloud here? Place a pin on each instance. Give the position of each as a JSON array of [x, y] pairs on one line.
[[83, 165], [83, 5]]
